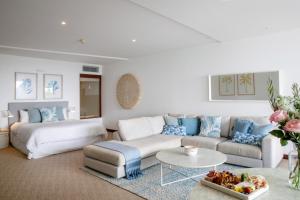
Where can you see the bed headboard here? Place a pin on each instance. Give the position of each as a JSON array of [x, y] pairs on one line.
[[16, 106]]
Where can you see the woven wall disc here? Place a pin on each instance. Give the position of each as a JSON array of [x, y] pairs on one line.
[[128, 91]]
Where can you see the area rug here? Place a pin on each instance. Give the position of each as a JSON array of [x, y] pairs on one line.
[[148, 186]]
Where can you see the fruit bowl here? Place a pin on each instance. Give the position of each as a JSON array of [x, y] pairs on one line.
[[190, 150]]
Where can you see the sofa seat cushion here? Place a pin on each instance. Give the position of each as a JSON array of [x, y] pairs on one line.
[[147, 146], [203, 142], [104, 155], [151, 145], [243, 150]]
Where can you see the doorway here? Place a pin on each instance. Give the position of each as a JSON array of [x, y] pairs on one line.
[[90, 96]]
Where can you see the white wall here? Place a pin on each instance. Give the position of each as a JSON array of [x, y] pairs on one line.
[[177, 81], [11, 64]]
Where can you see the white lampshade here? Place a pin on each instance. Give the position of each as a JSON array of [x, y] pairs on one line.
[[71, 109], [6, 114]]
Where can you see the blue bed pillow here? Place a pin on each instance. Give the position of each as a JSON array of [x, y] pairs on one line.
[[49, 114], [192, 125], [242, 126], [248, 138], [174, 130], [34, 115], [210, 126], [60, 113], [170, 120]]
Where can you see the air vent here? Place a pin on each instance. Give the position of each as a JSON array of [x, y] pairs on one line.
[[90, 69]]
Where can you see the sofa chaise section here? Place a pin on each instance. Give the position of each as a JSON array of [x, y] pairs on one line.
[[113, 163]]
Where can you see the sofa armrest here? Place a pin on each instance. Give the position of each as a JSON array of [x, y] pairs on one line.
[[116, 136], [272, 152]]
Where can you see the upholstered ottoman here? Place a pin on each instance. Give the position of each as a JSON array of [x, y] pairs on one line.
[[113, 163]]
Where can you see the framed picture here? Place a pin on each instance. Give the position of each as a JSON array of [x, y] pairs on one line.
[[26, 86], [53, 86], [246, 84], [227, 85]]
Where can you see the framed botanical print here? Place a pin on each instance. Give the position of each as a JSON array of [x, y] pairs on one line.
[[53, 86], [26, 86], [246, 84], [227, 85]]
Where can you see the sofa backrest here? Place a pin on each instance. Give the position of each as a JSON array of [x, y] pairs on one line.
[[225, 124], [262, 120], [135, 128]]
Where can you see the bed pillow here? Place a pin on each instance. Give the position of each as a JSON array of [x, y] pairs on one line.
[[65, 112], [24, 116], [192, 125], [60, 113], [34, 115], [174, 130], [210, 126], [49, 114]]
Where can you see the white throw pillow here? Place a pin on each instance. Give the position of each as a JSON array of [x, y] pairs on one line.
[[24, 116], [65, 112]]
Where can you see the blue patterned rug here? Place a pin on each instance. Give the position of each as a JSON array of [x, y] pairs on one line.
[[148, 186]]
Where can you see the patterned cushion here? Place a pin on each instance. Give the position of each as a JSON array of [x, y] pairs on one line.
[[34, 115], [248, 138], [192, 125], [170, 120], [210, 126], [49, 114], [174, 130], [242, 126]]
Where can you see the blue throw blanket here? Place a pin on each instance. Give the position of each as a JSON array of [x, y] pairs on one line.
[[132, 157]]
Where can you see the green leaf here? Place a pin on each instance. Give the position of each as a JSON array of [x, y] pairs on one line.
[[283, 142], [277, 133]]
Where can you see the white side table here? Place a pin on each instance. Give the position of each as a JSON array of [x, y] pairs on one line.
[[4, 139]]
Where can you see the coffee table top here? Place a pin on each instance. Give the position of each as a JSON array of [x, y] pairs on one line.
[[277, 180], [204, 158]]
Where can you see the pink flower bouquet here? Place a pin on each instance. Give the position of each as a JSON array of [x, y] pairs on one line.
[[287, 117]]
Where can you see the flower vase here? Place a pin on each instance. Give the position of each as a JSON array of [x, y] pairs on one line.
[[294, 169]]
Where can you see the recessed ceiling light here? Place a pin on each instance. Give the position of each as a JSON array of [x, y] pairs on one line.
[[133, 40], [63, 23]]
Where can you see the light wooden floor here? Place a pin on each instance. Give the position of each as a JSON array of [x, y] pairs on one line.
[[55, 177]]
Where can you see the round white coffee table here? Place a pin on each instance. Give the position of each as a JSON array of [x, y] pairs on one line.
[[176, 157], [277, 180]]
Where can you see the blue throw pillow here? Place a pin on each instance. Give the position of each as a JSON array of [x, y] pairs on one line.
[[49, 114], [192, 125], [248, 138], [171, 120], [242, 126], [210, 126], [174, 130], [34, 115], [60, 113], [262, 129]]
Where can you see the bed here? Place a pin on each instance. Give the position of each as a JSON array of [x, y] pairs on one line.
[[38, 140]]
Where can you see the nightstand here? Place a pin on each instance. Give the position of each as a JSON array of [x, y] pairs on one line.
[[4, 139]]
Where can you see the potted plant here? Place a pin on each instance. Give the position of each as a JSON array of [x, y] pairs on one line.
[[287, 117]]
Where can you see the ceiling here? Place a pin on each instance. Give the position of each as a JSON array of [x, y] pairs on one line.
[[33, 27]]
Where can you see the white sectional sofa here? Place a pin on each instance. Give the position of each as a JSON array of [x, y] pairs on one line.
[[145, 134]]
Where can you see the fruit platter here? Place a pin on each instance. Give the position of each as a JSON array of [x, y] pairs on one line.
[[242, 186]]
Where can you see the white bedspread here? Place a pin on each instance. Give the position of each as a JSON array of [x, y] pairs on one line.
[[35, 134]]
